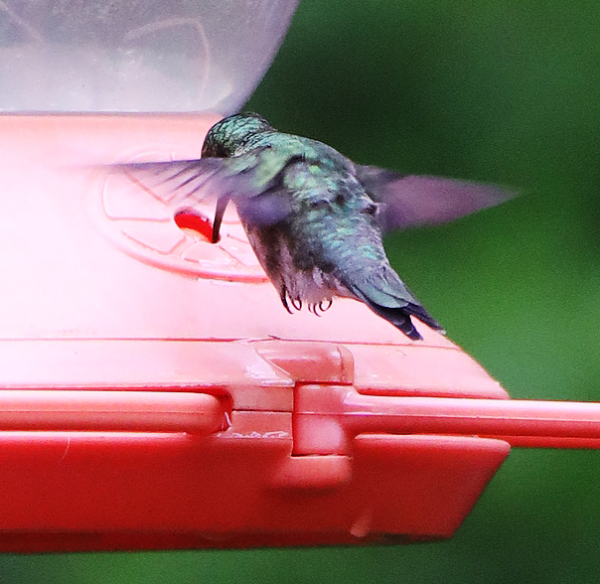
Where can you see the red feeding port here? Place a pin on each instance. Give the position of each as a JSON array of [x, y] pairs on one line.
[[196, 222], [154, 394]]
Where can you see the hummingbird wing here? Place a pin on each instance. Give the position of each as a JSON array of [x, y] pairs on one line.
[[411, 200], [252, 181]]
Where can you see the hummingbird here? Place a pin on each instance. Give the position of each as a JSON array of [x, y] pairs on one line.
[[314, 218]]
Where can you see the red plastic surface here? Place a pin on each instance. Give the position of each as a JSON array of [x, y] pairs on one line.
[[155, 394], [200, 414]]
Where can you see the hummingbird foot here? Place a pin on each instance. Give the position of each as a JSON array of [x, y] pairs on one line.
[[295, 302], [318, 308]]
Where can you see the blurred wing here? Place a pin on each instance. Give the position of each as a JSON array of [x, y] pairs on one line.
[[411, 200], [251, 181], [174, 181]]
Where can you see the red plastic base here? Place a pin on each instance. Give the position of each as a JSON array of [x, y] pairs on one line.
[[234, 491]]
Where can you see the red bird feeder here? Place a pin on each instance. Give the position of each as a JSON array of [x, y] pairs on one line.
[[156, 395]]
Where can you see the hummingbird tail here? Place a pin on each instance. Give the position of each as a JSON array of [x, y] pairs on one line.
[[400, 317], [403, 306]]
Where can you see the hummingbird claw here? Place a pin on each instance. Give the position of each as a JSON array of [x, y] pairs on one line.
[[283, 296], [318, 308]]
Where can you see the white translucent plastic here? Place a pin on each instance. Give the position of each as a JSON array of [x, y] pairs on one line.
[[136, 55]]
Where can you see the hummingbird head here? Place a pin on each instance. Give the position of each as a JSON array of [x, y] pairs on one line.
[[228, 136]]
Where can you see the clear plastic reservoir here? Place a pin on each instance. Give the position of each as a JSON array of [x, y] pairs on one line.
[[136, 55]]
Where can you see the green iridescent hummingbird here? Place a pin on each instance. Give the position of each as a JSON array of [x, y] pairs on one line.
[[314, 218]]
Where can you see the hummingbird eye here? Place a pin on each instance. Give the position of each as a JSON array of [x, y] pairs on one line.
[[371, 209], [340, 199]]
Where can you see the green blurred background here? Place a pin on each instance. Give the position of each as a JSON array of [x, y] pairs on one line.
[[505, 91]]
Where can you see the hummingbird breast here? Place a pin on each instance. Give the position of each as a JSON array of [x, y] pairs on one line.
[[294, 273]]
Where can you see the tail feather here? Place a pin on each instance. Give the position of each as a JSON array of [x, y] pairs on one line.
[[400, 317], [418, 311], [395, 305]]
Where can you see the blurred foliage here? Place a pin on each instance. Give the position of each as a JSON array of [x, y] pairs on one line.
[[505, 91]]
